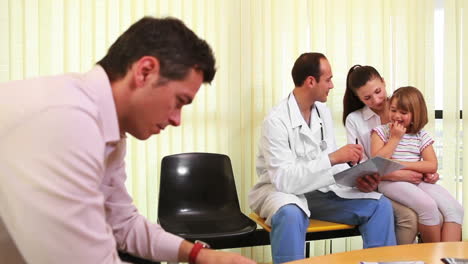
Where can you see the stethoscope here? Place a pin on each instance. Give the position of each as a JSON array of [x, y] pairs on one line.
[[323, 143]]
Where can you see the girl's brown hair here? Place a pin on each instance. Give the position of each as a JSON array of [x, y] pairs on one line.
[[410, 99]]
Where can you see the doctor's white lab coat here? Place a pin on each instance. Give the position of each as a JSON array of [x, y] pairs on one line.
[[290, 161]]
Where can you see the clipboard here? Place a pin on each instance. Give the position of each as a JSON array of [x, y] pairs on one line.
[[379, 165]]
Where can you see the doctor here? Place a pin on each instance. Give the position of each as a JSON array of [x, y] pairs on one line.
[[296, 163]]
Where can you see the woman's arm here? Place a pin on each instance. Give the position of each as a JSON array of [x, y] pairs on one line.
[[427, 165], [410, 176]]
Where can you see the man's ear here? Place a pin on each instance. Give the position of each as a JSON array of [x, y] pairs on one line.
[[310, 80], [145, 67]]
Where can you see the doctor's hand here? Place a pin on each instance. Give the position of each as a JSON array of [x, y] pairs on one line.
[[349, 153], [368, 183]]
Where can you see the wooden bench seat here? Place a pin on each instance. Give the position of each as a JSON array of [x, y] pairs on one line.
[[317, 230], [314, 225]]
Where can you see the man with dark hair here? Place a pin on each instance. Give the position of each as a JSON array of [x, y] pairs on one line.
[[177, 48], [63, 197], [296, 162]]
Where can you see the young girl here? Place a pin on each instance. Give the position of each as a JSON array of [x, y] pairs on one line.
[[404, 140]]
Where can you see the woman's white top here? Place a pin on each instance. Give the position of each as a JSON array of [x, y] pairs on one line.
[[359, 124]]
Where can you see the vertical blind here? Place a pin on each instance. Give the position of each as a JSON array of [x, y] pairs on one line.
[[255, 44]]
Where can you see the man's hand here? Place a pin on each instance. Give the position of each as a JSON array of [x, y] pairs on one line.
[[368, 183], [349, 153], [431, 177], [208, 256]]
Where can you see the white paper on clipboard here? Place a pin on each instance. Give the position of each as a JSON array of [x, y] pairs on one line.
[[377, 165]]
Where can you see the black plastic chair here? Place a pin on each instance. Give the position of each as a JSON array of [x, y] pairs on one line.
[[198, 200]]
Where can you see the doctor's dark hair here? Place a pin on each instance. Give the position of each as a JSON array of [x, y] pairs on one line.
[[357, 77], [169, 40], [308, 64]]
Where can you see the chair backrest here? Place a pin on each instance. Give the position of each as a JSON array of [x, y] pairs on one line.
[[196, 184]]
